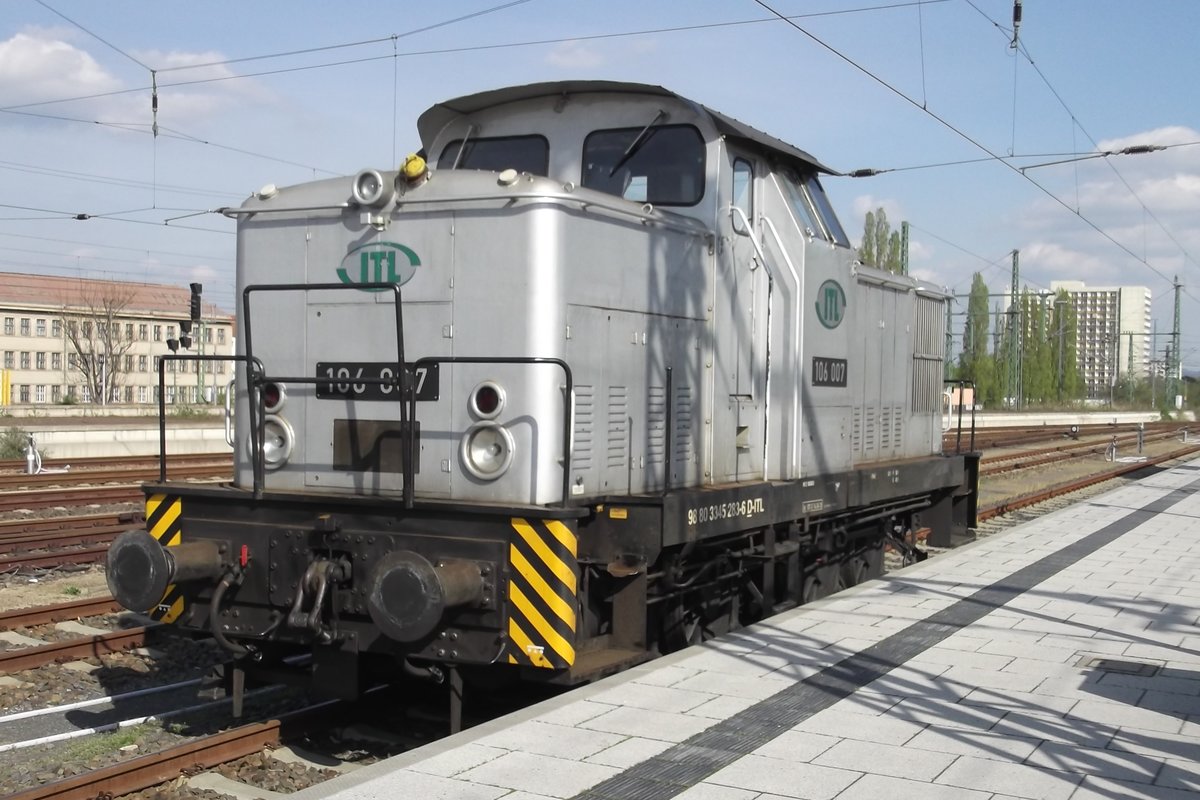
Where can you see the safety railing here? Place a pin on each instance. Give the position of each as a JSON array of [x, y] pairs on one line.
[[257, 378], [959, 389]]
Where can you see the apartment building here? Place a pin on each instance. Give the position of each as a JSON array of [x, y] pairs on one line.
[[1113, 335], [66, 340]]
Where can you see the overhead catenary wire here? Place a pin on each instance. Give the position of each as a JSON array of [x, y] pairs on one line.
[[960, 133], [1023, 50]]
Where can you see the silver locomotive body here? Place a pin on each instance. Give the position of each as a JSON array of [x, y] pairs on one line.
[[646, 389]]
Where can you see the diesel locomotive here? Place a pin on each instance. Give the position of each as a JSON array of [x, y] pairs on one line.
[[593, 376]]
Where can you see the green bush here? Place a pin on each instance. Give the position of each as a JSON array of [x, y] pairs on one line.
[[13, 443]]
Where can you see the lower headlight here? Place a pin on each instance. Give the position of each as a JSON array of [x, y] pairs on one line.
[[278, 440], [487, 450]]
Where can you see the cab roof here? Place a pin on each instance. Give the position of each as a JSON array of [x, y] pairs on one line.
[[442, 114]]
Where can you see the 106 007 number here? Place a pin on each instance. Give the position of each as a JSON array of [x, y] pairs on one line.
[[372, 380]]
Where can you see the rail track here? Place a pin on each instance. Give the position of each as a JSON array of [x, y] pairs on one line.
[[73, 649], [28, 617]]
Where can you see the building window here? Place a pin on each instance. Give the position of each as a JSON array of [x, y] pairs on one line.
[[158, 333], [56, 329], [9, 355], [170, 331], [24, 360], [56, 361], [40, 327], [220, 336], [23, 393], [39, 394], [143, 332], [141, 394], [128, 394], [8, 326], [142, 363], [25, 327], [208, 335], [156, 361], [85, 393], [55, 394], [129, 331], [87, 328], [40, 360], [72, 361], [129, 363]]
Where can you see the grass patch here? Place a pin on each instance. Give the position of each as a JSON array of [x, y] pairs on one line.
[[72, 591], [103, 744]]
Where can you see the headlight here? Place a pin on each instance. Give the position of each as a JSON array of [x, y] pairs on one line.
[[371, 189], [274, 395], [487, 401], [487, 450], [278, 440]]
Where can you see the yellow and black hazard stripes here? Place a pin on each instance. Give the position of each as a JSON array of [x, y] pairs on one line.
[[163, 514], [542, 586], [162, 518]]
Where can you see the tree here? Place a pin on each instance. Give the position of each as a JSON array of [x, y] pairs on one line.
[[975, 330], [92, 321], [880, 245], [1062, 348]]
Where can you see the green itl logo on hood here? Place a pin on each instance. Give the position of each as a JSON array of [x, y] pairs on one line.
[[831, 304], [378, 262]]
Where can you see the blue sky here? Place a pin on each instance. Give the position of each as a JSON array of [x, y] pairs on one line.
[[858, 83]]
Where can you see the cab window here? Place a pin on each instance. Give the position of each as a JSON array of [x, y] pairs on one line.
[[820, 201], [662, 165], [802, 209], [523, 153], [743, 194]]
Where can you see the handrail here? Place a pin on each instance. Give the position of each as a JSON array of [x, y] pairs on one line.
[[254, 383], [797, 341], [962, 385], [643, 213], [762, 258], [162, 398]]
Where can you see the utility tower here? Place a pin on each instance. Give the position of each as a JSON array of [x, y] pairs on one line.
[[1173, 371], [1014, 333]]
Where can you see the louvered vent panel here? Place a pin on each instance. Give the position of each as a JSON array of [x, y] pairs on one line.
[[683, 425], [618, 425], [656, 425], [585, 420]]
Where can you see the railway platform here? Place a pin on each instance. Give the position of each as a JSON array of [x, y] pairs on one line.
[[1057, 659]]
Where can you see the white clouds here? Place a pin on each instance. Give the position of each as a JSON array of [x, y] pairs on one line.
[[35, 68], [43, 65], [575, 56], [866, 202]]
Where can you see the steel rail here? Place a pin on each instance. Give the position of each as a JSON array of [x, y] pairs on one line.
[[126, 475], [72, 649], [1013, 504], [43, 615], [55, 558], [146, 771], [1011, 462]]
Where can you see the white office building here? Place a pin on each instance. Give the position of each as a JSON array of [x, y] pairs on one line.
[[1113, 333]]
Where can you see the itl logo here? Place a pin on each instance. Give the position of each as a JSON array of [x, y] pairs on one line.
[[378, 262], [831, 304]]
